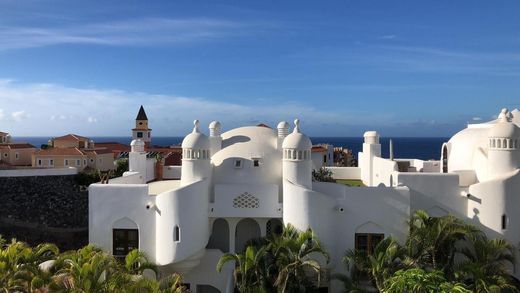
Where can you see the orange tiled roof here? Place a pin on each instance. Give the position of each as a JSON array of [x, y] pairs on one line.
[[20, 145], [59, 152], [318, 149], [74, 137]]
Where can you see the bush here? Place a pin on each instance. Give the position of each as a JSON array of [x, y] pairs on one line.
[[322, 175]]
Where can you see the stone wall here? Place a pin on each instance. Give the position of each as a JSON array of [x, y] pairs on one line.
[[44, 209]]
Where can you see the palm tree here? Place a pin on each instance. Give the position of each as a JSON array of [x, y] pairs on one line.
[[387, 258], [19, 265], [248, 273], [418, 280], [294, 253], [88, 269], [486, 265], [432, 241]]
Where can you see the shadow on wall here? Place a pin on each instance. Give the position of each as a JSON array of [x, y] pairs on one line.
[[235, 139]]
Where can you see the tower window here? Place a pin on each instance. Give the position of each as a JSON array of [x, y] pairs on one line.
[[176, 234], [256, 163], [504, 222], [238, 164], [140, 135], [140, 123]]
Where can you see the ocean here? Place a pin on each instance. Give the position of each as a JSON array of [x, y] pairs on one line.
[[424, 148]]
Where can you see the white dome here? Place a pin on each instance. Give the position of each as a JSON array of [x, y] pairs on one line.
[[504, 130], [196, 140], [297, 140], [283, 124], [214, 125], [137, 142]]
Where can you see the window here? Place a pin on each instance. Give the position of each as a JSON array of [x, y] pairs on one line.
[[368, 241], [5, 155], [176, 234], [148, 134], [238, 164], [504, 222], [17, 156], [140, 123], [51, 162], [324, 158], [39, 162], [124, 241], [85, 162], [66, 163], [92, 160], [140, 135], [78, 162], [256, 163]]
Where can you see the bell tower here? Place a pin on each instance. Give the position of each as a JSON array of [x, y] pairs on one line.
[[141, 130]]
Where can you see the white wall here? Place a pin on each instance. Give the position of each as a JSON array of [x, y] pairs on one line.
[[38, 172], [128, 178], [109, 203], [353, 173], [150, 169], [267, 195], [206, 273], [383, 170], [187, 208], [430, 190], [172, 172]]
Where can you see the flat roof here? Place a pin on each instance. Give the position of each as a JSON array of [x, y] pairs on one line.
[[158, 187]]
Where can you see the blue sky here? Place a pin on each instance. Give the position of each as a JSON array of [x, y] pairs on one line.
[[404, 68]]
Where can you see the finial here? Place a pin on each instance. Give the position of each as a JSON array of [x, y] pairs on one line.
[[296, 125], [195, 126], [505, 115]]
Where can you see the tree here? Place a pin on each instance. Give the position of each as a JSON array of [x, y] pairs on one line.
[[19, 265], [388, 257], [121, 167], [418, 280], [294, 253], [248, 273], [432, 241], [322, 175], [485, 265]]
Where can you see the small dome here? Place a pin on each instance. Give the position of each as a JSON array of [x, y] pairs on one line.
[[504, 127], [195, 140], [214, 125], [137, 142], [283, 124], [371, 134], [504, 130], [297, 140]]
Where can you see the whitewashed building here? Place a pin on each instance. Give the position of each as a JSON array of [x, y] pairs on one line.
[[246, 182]]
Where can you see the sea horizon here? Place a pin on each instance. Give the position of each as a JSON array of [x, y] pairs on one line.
[[424, 148]]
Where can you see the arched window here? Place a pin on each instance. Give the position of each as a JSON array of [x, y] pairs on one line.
[[294, 154], [493, 143], [504, 222], [445, 159], [504, 143], [176, 234], [499, 143], [300, 155]]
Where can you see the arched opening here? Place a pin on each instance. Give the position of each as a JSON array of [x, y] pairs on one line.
[[219, 236], [273, 227], [445, 159], [247, 229], [125, 237], [499, 143]]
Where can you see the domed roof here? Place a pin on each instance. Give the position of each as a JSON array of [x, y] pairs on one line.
[[214, 125], [137, 142], [505, 128], [297, 140], [283, 124], [195, 140]]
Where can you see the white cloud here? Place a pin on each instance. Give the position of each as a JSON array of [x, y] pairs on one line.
[[169, 115], [476, 118], [133, 32], [19, 115], [387, 37]]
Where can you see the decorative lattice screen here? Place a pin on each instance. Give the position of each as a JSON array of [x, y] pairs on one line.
[[246, 201]]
